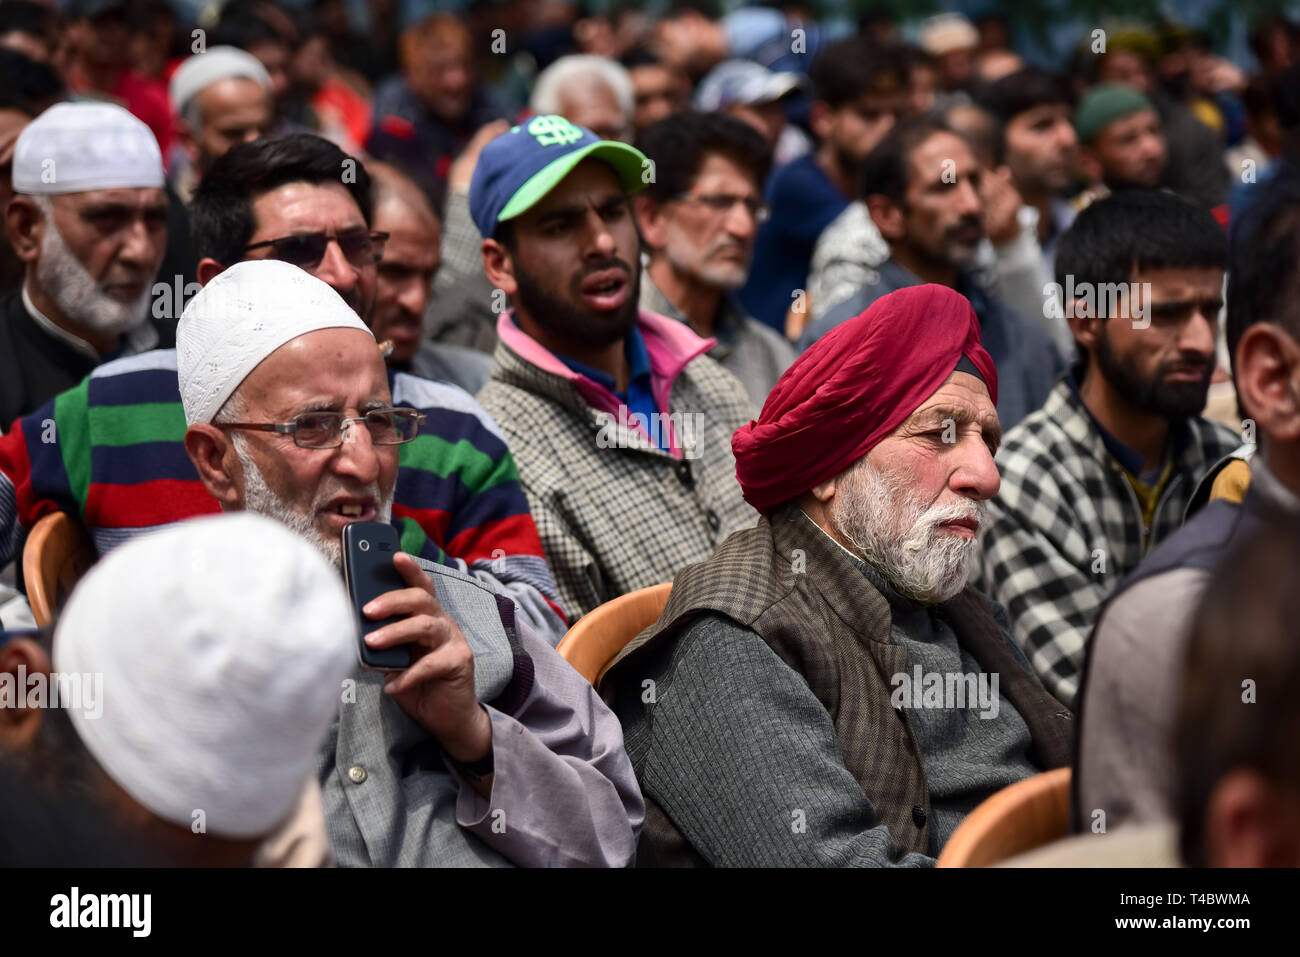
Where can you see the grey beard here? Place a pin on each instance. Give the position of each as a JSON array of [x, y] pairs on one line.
[[77, 294], [261, 499], [891, 531]]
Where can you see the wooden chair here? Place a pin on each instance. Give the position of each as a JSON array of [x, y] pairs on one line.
[[600, 635], [58, 552], [1019, 818]]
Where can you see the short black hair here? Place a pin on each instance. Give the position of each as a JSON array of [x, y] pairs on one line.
[[640, 56], [34, 19], [1136, 230], [1022, 91], [885, 172], [26, 85], [850, 68], [679, 144], [245, 30], [221, 212], [1264, 258]]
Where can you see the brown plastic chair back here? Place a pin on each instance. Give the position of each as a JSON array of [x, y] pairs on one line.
[[1019, 818], [600, 635], [58, 552]]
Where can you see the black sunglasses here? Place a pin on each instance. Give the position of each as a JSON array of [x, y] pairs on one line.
[[360, 246]]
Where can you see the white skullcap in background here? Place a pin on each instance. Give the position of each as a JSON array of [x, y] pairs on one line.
[[240, 318], [223, 643], [74, 147], [219, 63]]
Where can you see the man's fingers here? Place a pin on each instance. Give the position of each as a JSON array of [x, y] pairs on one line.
[[425, 631], [401, 602], [442, 662]]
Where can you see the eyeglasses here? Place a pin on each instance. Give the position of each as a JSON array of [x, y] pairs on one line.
[[324, 430], [720, 204], [360, 246]]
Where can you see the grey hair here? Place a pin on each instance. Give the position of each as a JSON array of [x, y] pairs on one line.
[[548, 89], [234, 409]]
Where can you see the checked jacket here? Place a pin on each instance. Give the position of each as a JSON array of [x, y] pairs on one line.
[[1066, 527]]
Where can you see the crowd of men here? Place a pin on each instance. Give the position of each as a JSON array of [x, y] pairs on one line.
[[957, 398]]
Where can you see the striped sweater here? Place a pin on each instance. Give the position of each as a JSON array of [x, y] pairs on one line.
[[111, 452]]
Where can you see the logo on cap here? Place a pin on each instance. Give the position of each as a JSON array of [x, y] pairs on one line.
[[553, 131]]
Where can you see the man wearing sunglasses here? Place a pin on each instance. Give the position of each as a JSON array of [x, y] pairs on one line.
[[289, 415], [699, 218], [109, 451]]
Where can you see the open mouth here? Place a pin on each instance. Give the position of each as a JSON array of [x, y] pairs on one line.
[[345, 511], [606, 290]]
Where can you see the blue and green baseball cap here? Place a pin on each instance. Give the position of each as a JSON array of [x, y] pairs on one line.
[[518, 168]]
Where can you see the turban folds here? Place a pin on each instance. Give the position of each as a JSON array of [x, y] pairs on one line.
[[854, 386]]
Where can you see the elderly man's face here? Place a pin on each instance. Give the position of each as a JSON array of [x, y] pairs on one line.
[[595, 106], [315, 492], [443, 78], [302, 208], [100, 251], [914, 504], [714, 246], [231, 111], [411, 258]]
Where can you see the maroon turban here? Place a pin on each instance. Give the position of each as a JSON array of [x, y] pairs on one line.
[[853, 387]]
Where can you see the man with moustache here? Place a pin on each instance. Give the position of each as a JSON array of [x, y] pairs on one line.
[[699, 218], [405, 283], [109, 452], [289, 414], [89, 220], [618, 421], [923, 192], [1104, 471], [785, 727]]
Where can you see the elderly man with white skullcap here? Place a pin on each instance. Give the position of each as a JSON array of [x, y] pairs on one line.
[[489, 749], [190, 692], [89, 221], [222, 98]]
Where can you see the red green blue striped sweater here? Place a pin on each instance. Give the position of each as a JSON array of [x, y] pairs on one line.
[[110, 451]]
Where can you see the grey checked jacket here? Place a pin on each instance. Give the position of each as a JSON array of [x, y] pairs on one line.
[[613, 520], [1066, 528]]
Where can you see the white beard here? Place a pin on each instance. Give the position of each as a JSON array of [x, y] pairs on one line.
[[77, 294], [893, 532], [261, 499]]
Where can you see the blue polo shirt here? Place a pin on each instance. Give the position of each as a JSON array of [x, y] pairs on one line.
[[639, 397]]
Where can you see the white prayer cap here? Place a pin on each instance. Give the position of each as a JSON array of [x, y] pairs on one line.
[[199, 72], [223, 643], [240, 318], [74, 147]]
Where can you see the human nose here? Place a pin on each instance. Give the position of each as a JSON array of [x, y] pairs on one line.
[[335, 270], [358, 456], [976, 475], [1198, 334]]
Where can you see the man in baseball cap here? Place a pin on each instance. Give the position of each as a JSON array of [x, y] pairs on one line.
[[601, 403]]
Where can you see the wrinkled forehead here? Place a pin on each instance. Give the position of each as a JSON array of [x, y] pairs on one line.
[[328, 368]]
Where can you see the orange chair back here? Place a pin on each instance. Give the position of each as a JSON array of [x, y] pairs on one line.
[[1019, 818], [58, 552], [598, 636]]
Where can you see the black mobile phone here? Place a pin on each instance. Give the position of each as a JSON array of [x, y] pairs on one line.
[[368, 571]]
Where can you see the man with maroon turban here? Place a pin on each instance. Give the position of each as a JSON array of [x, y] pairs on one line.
[[825, 690]]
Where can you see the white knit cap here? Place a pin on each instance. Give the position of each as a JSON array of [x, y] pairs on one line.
[[240, 318], [74, 147], [223, 643], [219, 63]]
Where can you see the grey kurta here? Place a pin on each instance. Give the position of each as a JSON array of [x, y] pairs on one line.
[[563, 791]]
